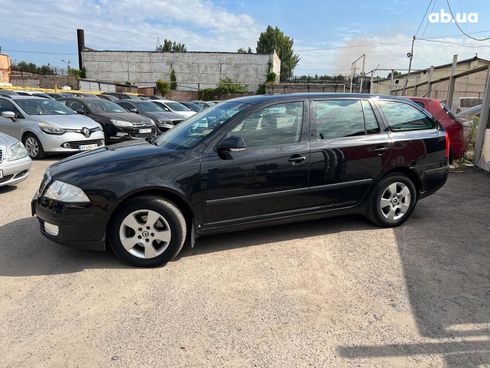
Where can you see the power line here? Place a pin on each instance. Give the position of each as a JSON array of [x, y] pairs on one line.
[[452, 43], [423, 18], [461, 29], [41, 52], [427, 23]]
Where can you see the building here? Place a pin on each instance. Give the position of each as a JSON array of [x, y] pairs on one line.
[[194, 70], [469, 81], [4, 69]]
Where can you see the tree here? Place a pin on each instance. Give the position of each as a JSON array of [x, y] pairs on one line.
[[162, 87], [274, 39], [243, 51], [395, 74], [171, 46], [173, 80]]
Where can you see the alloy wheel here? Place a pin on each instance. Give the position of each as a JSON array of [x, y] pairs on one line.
[[32, 146], [395, 201], [145, 234]]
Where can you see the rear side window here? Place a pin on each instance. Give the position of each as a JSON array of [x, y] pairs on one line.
[[343, 118], [402, 117]]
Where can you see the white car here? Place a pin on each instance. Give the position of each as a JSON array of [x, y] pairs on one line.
[[14, 161], [176, 107], [45, 126]]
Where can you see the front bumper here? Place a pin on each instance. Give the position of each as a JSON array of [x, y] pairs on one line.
[[13, 172], [70, 142], [79, 225], [138, 132]]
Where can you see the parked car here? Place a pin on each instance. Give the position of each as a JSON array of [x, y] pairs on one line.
[[59, 95], [192, 106], [247, 162], [47, 126], [7, 93], [464, 103], [450, 123], [34, 94], [466, 116], [176, 107], [121, 96], [14, 161], [118, 124], [163, 119], [203, 104], [109, 97]]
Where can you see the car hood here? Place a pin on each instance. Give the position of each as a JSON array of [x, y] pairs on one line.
[[66, 121], [126, 116], [6, 140], [131, 156]]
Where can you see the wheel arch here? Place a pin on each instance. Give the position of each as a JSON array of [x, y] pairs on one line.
[[412, 175]]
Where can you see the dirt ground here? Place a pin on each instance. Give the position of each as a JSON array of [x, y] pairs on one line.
[[330, 293]]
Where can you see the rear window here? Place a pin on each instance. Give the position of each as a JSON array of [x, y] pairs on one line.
[[403, 117]]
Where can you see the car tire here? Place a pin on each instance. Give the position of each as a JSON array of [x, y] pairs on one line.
[[392, 201], [147, 231], [33, 146]]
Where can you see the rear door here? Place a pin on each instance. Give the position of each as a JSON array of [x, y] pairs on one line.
[[269, 177], [349, 150]]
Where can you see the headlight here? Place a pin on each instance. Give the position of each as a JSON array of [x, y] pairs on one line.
[[65, 192], [51, 128], [121, 123], [16, 152], [166, 122]]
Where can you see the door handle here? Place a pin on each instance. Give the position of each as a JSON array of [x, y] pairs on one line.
[[381, 149], [296, 159]]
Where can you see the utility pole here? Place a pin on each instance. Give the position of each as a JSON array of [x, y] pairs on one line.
[[353, 70], [410, 55]]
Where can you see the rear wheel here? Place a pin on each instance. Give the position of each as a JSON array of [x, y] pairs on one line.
[[33, 146], [147, 231], [393, 201]]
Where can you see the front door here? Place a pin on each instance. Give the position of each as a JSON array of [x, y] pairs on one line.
[[268, 177], [348, 151], [8, 126]]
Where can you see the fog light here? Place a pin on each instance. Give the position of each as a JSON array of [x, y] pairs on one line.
[[66, 145], [51, 229]]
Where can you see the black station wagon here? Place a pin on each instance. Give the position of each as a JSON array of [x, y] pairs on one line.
[[245, 163]]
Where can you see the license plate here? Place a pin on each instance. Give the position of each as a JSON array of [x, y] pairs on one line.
[[145, 130], [88, 146]]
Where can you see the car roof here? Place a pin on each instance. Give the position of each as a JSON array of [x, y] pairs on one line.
[[19, 97]]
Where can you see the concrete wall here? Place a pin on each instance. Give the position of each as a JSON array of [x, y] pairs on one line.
[[194, 70]]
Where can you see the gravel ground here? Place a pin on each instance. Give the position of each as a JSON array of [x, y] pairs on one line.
[[329, 293]]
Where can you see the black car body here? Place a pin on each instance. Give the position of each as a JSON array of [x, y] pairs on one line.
[[109, 97], [118, 124], [191, 105], [164, 120], [250, 162], [121, 96]]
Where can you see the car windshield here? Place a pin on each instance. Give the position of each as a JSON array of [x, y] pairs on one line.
[[42, 106], [149, 107], [103, 106], [194, 130], [176, 106]]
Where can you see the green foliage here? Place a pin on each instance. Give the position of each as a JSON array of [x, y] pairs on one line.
[[274, 39], [163, 87], [33, 68], [171, 46], [208, 94], [395, 74], [261, 90], [77, 73], [173, 80], [226, 85], [243, 51], [271, 77]]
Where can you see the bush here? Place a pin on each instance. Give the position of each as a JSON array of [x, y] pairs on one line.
[[271, 77], [226, 85], [261, 90], [163, 87], [173, 80], [208, 94]]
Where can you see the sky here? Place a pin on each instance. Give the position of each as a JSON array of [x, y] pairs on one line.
[[328, 35]]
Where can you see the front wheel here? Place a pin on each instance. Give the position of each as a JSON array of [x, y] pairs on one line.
[[34, 147], [392, 201], [147, 231]]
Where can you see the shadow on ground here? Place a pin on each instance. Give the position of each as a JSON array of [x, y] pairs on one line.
[[445, 252]]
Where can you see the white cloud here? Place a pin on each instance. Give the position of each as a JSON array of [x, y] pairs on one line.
[[129, 24]]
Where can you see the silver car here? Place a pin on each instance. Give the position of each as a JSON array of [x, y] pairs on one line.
[[47, 126], [14, 161]]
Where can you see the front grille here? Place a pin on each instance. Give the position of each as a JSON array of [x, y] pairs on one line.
[[1, 155], [142, 124], [6, 178]]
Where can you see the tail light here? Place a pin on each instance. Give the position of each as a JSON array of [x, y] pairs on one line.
[[448, 144]]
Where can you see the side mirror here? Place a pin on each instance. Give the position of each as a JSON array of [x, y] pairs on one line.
[[9, 115], [231, 144]]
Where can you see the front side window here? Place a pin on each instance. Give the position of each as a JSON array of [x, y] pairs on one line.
[[38, 106], [7, 106], [339, 118], [198, 127], [402, 117], [278, 124]]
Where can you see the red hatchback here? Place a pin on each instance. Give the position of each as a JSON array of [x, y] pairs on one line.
[[447, 119]]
